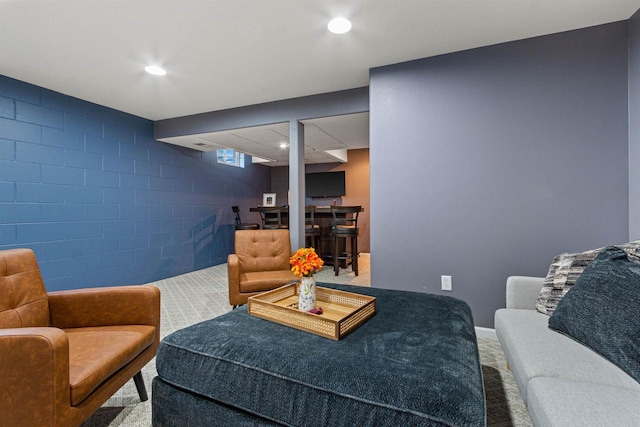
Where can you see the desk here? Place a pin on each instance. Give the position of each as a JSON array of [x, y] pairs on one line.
[[324, 219]]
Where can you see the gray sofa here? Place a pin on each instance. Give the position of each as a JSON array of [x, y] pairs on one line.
[[562, 382]]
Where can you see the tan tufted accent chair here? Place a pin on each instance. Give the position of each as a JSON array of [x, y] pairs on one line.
[[260, 263], [63, 354]]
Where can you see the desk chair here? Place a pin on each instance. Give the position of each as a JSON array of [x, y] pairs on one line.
[[243, 225], [311, 229], [345, 226], [272, 218]]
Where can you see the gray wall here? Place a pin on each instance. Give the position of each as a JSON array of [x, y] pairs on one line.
[[487, 163], [634, 127]]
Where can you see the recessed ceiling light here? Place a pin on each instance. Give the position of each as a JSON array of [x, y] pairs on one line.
[[339, 25], [155, 70], [283, 145]]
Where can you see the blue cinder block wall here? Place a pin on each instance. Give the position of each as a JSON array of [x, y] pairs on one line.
[[103, 203]]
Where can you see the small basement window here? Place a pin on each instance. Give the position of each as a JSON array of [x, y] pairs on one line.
[[231, 157]]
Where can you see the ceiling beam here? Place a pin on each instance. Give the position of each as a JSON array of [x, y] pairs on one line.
[[303, 108]]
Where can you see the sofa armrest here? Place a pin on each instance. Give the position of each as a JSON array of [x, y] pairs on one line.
[[523, 291], [118, 305], [233, 273], [34, 367]]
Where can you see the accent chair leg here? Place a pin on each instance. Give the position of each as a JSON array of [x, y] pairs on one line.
[[142, 391]]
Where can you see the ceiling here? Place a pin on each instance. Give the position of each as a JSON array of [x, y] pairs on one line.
[[327, 140], [222, 54]]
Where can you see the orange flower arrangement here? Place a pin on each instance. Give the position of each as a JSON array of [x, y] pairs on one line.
[[305, 262]]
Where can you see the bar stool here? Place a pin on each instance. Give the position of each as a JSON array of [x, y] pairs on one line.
[[243, 225], [272, 218], [345, 226], [311, 229]]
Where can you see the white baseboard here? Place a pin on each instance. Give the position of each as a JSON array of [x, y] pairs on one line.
[[486, 333]]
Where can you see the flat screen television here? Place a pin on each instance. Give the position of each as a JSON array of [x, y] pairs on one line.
[[325, 184]]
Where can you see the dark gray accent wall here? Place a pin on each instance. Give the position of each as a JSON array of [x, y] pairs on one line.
[[634, 126], [486, 163]]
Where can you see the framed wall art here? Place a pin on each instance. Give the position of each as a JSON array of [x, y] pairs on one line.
[[269, 199]]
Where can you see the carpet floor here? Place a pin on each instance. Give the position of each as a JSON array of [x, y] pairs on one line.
[[201, 295]]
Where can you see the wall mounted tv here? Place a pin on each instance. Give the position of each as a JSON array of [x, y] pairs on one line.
[[325, 184]]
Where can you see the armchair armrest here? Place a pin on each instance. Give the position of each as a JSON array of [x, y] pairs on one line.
[[118, 305], [523, 291], [34, 367], [233, 272]]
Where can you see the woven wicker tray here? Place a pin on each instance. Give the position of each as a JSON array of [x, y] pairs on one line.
[[342, 313]]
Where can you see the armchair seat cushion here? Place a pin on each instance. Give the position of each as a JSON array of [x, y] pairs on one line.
[[260, 281], [96, 353]]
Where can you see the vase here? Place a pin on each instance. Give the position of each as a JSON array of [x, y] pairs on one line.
[[307, 294]]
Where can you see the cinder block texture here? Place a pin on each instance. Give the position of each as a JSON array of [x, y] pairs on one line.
[[103, 203]]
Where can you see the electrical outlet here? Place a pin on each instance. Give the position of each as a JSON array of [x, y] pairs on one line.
[[446, 283]]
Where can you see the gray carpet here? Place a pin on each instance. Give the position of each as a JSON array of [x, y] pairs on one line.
[[202, 295]]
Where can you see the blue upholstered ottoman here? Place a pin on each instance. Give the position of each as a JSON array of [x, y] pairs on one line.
[[415, 363]]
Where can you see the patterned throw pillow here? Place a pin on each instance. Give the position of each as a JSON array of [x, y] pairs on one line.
[[601, 311], [565, 270]]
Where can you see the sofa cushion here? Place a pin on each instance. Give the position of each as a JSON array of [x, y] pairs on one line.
[[570, 403], [533, 350], [96, 353], [601, 310], [565, 270]]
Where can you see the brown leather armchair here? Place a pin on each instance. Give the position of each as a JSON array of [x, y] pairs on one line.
[[63, 354], [260, 263]]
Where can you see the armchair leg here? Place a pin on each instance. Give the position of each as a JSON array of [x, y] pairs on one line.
[[142, 391]]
